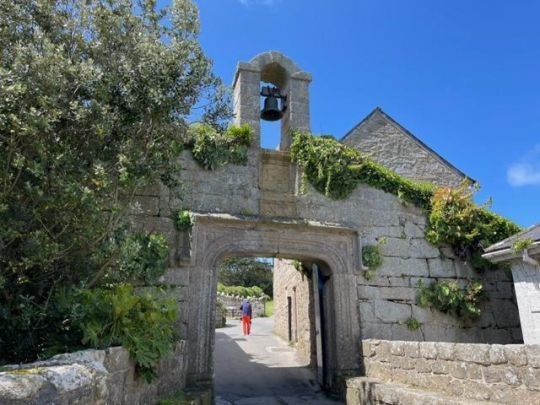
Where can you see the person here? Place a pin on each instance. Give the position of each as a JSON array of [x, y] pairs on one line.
[[246, 316]]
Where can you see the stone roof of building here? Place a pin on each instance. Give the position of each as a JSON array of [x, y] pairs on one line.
[[532, 233], [379, 110]]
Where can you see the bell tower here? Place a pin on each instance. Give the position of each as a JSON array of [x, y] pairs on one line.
[[285, 89]]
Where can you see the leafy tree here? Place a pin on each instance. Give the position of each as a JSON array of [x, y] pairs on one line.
[[95, 99], [247, 272]]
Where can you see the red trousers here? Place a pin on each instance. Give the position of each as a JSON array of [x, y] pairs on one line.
[[246, 323]]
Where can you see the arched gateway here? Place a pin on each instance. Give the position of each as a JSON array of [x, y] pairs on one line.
[[256, 210], [334, 248]]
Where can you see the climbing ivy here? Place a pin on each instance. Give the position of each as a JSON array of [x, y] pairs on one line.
[[213, 149], [335, 170], [448, 297], [372, 258], [454, 219], [521, 244]]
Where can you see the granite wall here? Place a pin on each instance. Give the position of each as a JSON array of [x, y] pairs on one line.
[[91, 377], [290, 284], [462, 372]]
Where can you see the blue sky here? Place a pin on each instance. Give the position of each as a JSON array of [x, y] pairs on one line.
[[463, 76]]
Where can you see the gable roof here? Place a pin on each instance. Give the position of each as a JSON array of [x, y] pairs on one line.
[[532, 233], [389, 119]]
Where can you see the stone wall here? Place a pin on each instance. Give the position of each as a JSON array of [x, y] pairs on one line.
[[270, 219], [232, 306], [388, 299], [91, 377], [290, 283], [479, 372], [389, 144]]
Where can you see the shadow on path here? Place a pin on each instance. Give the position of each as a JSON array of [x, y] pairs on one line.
[[261, 369]]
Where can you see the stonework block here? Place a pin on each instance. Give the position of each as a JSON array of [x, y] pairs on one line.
[[393, 266], [533, 355], [397, 349], [497, 355], [388, 311], [445, 351], [473, 353], [412, 349], [516, 355], [428, 350], [441, 268]]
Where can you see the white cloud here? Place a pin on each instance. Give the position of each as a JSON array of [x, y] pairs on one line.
[[268, 3], [527, 171]]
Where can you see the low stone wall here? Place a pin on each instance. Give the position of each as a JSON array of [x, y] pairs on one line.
[[232, 306], [497, 373], [91, 377]]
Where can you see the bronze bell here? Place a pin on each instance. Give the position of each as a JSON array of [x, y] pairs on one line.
[[271, 110]]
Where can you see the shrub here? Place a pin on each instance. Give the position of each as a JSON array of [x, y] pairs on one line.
[[521, 244], [213, 149], [455, 220], [183, 220], [448, 297], [244, 292], [115, 316]]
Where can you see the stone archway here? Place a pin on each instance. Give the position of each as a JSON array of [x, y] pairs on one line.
[[216, 237]]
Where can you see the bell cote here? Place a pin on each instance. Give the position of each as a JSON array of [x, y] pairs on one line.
[[282, 85]]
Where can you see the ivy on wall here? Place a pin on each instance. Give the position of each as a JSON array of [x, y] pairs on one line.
[[448, 297], [335, 170], [372, 258], [213, 149]]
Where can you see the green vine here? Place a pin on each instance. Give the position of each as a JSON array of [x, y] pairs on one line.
[[448, 297], [372, 258], [521, 244], [455, 220], [335, 170], [183, 220], [413, 324], [213, 149]]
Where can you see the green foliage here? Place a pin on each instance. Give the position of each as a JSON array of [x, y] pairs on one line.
[[522, 244], [142, 258], [448, 297], [335, 170], [182, 220], [96, 99], [269, 308], [241, 291], [246, 272], [455, 220], [372, 258], [213, 149], [105, 317], [413, 324]]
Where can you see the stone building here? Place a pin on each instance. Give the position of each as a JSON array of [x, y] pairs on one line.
[[257, 210]]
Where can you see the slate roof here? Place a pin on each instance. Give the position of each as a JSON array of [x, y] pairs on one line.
[[408, 133], [532, 233]]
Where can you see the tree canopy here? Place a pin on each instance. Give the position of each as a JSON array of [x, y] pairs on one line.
[[95, 99], [247, 272]]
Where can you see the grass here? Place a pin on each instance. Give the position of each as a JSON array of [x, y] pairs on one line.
[[269, 308]]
